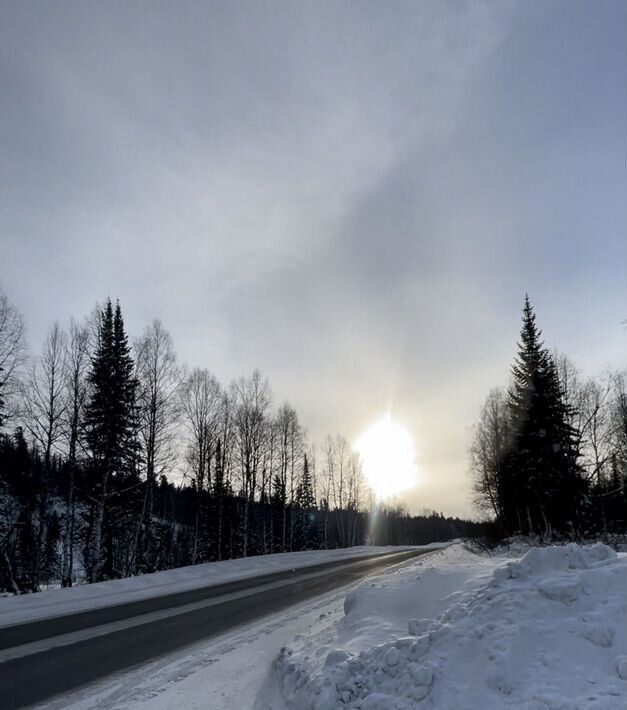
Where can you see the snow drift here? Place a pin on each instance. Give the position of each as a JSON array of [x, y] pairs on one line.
[[546, 632]]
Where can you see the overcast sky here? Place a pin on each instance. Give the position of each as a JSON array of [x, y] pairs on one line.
[[352, 196]]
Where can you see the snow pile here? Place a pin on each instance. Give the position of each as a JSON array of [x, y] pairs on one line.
[[542, 560], [547, 632]]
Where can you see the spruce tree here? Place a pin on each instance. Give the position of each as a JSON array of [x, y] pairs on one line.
[[278, 496], [304, 492], [110, 417], [542, 485], [306, 502]]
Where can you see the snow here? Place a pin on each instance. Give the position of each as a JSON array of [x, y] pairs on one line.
[[451, 630], [59, 602], [457, 630]]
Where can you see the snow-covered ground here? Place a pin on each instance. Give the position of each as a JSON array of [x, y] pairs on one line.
[[452, 631], [57, 602], [547, 632], [236, 670]]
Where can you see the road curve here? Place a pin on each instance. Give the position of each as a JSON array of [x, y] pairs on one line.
[[45, 658]]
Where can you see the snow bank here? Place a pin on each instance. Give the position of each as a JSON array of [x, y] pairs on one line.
[[547, 632], [58, 602], [544, 560]]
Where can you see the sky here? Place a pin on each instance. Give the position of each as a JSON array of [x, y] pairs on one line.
[[353, 197]]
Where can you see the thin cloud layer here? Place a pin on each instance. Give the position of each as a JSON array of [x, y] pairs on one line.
[[352, 197]]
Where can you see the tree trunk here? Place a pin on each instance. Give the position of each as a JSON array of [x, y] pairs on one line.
[[68, 538], [8, 572], [96, 556]]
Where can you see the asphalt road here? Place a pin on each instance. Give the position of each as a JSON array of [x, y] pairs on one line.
[[42, 659]]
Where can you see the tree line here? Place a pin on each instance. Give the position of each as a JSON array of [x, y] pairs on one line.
[[117, 460], [549, 453]]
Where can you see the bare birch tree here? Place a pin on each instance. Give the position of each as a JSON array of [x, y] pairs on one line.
[[289, 448], [596, 431], [487, 453], [75, 385], [202, 402], [12, 356], [44, 409], [251, 401], [45, 404], [356, 494], [589, 409], [158, 396]]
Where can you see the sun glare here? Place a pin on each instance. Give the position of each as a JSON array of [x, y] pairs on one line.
[[388, 458]]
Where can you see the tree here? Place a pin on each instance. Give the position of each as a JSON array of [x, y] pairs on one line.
[[159, 382], [22, 474], [75, 384], [304, 493], [44, 407], [111, 420], [619, 417], [12, 355], [588, 403], [202, 403], [355, 491], [488, 452], [306, 504], [341, 490], [223, 476], [251, 401], [2, 405], [219, 492], [544, 485], [289, 448], [44, 403]]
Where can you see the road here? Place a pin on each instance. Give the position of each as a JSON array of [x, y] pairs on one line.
[[43, 659]]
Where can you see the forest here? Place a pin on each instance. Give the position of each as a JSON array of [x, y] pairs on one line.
[[117, 460], [549, 453]]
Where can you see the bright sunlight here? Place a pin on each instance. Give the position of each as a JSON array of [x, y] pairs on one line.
[[388, 458]]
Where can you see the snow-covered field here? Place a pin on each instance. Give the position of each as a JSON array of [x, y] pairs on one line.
[[57, 602], [451, 631]]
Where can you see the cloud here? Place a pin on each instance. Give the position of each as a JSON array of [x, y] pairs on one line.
[[353, 197]]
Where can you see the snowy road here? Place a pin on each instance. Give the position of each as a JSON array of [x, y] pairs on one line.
[[42, 659]]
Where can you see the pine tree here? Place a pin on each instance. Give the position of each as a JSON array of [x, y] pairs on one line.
[[110, 417], [542, 482]]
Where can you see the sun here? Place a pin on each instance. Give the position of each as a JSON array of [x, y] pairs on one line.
[[388, 458]]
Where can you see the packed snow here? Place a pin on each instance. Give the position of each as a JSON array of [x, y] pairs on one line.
[[458, 631], [58, 602]]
